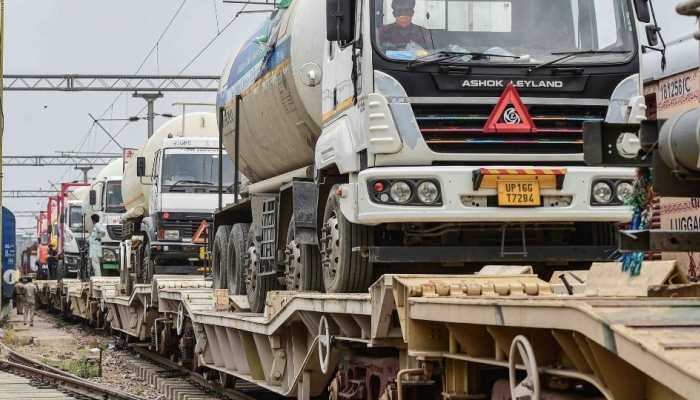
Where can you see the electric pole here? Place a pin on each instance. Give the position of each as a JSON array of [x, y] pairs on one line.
[[85, 169], [150, 116]]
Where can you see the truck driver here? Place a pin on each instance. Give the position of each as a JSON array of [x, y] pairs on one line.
[[398, 35]]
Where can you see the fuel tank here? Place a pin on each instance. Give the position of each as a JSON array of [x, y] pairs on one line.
[[277, 74]]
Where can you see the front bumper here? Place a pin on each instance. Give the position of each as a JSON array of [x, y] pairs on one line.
[[457, 186], [176, 250]]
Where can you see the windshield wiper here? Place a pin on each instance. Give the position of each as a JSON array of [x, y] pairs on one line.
[[444, 55], [190, 181], [565, 55]]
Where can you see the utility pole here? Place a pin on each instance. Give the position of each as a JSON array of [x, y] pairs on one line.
[[150, 116], [85, 169]]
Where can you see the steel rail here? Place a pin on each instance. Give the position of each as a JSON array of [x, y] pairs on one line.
[[68, 383]]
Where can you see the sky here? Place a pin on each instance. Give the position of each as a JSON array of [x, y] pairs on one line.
[[101, 37]]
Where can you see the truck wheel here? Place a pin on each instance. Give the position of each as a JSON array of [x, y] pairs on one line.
[[256, 284], [219, 257], [344, 270], [302, 263], [236, 259]]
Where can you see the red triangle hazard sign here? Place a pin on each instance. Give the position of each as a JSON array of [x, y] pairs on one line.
[[510, 115]]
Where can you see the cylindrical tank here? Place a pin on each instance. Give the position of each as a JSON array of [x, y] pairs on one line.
[[278, 74], [137, 195], [81, 193], [114, 168], [679, 141]]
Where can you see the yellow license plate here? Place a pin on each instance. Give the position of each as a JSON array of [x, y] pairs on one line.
[[519, 193]]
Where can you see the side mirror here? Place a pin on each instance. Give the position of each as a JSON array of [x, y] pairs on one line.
[[340, 20], [642, 9], [93, 197], [652, 32], [140, 166]]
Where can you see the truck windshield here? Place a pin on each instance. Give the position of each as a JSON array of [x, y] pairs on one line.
[[194, 169], [75, 218], [113, 198], [529, 30]]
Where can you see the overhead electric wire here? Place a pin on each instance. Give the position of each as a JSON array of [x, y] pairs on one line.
[[183, 69], [140, 67], [213, 39], [188, 64]]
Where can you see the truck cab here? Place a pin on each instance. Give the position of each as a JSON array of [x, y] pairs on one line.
[[109, 206], [74, 237], [184, 192], [462, 142]]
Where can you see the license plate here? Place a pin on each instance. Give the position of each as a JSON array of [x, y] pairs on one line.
[[519, 194]]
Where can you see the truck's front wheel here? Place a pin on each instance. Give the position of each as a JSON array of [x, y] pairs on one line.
[[344, 270]]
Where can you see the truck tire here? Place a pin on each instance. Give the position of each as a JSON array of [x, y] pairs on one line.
[[256, 284], [303, 264], [219, 257], [236, 259], [344, 270]]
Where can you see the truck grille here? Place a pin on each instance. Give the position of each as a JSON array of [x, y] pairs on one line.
[[187, 225], [459, 129], [115, 232]]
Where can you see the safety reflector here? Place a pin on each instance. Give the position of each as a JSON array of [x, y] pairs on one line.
[[510, 115], [548, 178]]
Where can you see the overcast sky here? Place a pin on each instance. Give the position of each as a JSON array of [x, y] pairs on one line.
[[100, 37]]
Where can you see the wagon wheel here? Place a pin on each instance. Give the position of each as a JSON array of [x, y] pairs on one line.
[[528, 388], [324, 344]]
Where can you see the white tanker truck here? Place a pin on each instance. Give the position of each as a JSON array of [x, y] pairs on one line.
[[105, 200], [414, 135], [170, 186]]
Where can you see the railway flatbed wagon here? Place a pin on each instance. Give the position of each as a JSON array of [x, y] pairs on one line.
[[583, 335]]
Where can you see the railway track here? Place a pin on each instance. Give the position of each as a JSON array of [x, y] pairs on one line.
[[21, 365], [170, 379], [240, 391]]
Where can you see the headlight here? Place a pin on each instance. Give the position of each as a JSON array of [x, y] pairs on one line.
[[400, 192], [602, 193], [109, 255], [171, 234], [623, 191], [428, 192], [69, 236]]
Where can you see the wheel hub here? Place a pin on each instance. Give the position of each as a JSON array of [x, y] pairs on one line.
[[331, 248], [293, 266], [253, 267]]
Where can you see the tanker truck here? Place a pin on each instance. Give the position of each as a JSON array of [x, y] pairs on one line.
[[423, 136], [105, 200], [170, 188], [72, 237]]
